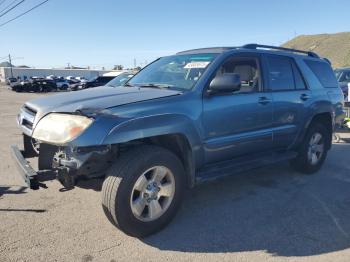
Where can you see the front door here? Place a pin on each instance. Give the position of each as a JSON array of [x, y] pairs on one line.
[[240, 122]]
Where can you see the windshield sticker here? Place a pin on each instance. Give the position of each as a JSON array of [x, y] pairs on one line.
[[196, 65]]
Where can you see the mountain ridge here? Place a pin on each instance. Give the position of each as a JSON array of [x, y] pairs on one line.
[[335, 47]]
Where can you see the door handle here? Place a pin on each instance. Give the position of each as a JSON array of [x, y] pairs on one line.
[[264, 100], [304, 97]]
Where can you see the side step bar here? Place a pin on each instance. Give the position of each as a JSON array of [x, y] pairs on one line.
[[238, 165]]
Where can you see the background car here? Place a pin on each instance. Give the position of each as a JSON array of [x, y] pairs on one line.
[[62, 84], [120, 80], [65, 84], [97, 81], [35, 85], [343, 77], [42, 85], [11, 80]]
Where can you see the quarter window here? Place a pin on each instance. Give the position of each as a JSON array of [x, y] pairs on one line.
[[323, 72]]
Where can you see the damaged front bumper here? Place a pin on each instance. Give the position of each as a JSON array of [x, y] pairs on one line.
[[28, 174], [34, 179], [67, 164]]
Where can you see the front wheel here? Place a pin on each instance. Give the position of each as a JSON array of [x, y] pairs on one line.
[[313, 150], [143, 190]]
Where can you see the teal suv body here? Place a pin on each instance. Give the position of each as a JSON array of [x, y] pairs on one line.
[[186, 118]]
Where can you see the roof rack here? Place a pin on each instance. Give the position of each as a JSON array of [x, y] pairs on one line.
[[256, 46]]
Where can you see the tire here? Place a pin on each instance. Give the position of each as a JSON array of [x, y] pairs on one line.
[[118, 190], [311, 156], [29, 150]]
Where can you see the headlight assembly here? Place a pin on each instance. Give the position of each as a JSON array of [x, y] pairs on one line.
[[60, 128]]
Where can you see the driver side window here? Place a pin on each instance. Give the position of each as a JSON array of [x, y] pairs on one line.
[[247, 68]]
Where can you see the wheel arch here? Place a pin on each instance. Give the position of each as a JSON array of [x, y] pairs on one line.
[[324, 118], [176, 143], [175, 132]]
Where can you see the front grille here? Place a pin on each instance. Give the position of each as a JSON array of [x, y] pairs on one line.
[[27, 117], [29, 110], [27, 124]]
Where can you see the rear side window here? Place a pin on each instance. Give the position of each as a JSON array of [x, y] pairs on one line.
[[323, 72], [280, 73]]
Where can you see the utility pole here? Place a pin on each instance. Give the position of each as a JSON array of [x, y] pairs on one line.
[[134, 62], [10, 65]]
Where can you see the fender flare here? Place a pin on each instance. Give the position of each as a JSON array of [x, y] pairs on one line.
[[158, 125]]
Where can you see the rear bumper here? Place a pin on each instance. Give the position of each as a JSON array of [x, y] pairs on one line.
[[28, 174]]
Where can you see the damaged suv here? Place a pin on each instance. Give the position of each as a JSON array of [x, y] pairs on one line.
[[184, 119]]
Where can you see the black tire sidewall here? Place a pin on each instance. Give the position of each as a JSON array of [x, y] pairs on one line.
[[302, 163], [126, 220]]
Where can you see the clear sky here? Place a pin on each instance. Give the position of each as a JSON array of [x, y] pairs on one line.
[[109, 32]]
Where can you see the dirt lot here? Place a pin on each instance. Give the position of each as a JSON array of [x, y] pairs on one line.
[[270, 214]]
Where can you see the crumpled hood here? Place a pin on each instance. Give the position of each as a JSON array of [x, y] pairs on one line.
[[97, 98]]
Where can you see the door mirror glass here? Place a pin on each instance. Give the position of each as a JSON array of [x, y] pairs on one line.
[[225, 83]]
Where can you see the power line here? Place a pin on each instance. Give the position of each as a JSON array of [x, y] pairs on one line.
[[26, 12], [13, 58], [13, 7], [4, 9]]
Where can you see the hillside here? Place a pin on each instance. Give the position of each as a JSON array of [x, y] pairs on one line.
[[335, 47]]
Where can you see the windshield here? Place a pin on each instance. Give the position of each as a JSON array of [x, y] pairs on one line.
[[178, 72], [119, 80], [337, 74], [92, 79]]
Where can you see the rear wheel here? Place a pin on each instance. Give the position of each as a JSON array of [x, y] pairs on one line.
[[143, 190], [313, 150]]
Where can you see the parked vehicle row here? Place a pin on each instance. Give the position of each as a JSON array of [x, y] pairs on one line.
[[52, 83], [35, 85]]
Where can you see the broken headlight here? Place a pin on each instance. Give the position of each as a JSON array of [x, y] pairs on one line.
[[60, 128]]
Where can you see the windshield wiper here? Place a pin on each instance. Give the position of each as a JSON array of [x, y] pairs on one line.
[[152, 85]]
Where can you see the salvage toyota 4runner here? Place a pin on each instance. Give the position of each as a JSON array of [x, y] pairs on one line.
[[186, 118]]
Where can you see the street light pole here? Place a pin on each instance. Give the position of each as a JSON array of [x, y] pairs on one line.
[[10, 65]]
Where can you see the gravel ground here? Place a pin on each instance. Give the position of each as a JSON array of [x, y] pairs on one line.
[[270, 214]]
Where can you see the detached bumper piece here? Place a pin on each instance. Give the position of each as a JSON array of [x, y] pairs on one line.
[[28, 174], [34, 179]]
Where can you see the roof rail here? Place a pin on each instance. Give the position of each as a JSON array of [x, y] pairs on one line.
[[255, 46]]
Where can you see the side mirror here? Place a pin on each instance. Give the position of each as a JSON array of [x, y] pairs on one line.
[[226, 83]]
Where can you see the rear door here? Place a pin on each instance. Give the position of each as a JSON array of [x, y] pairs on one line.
[[290, 98]]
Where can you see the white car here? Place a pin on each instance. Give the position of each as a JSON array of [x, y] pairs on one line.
[[62, 84]]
